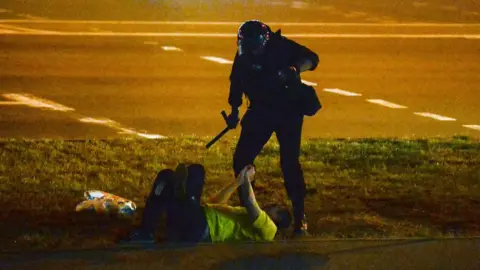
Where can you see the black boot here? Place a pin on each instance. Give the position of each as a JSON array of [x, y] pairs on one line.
[[300, 226]]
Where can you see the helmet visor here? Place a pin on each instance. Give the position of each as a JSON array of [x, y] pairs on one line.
[[251, 45]]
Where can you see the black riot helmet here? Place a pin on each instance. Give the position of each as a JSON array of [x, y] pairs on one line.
[[252, 37]]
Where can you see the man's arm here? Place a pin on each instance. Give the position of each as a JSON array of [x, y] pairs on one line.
[[225, 194], [304, 59], [236, 87], [249, 199]]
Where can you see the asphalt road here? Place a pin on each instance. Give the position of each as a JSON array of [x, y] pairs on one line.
[[424, 254], [437, 11], [124, 73]]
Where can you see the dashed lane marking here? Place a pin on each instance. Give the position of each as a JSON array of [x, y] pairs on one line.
[[435, 116], [309, 83], [151, 136], [299, 5], [96, 121], [341, 92], [36, 102], [386, 104], [475, 127], [217, 59], [171, 48], [121, 129]]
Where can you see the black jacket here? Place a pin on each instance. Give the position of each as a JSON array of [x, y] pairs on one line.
[[257, 77]]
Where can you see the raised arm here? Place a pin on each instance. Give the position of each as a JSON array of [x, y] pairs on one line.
[[224, 195], [304, 59], [249, 199], [242, 181]]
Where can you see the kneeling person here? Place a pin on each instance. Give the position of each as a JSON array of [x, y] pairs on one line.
[[178, 194]]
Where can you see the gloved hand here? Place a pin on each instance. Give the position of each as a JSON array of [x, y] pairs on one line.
[[233, 119], [288, 74]]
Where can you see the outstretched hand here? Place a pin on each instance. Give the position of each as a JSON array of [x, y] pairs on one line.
[[246, 174]]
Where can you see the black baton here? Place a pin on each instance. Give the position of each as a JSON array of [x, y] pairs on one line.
[[225, 130]]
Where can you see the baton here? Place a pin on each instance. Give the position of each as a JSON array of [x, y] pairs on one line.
[[225, 130]]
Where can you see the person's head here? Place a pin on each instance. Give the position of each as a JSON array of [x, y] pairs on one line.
[[252, 38], [279, 215]]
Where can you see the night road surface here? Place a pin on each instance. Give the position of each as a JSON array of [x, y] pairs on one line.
[[381, 80]]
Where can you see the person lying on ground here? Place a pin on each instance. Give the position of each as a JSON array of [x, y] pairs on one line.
[[178, 194]]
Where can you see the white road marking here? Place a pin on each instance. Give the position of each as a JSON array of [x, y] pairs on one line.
[[150, 43], [96, 121], [341, 92], [309, 83], [239, 23], [8, 103], [116, 125], [386, 103], [126, 131], [171, 48], [3, 31], [299, 5], [151, 136], [24, 29], [435, 116], [2, 10], [475, 127], [36, 102], [34, 32], [217, 59]]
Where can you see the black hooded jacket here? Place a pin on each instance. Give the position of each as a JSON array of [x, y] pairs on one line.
[[257, 77]]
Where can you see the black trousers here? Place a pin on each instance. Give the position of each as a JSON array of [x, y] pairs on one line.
[[258, 125], [185, 219]]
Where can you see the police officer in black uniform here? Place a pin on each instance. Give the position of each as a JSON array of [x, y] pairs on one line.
[[267, 69]]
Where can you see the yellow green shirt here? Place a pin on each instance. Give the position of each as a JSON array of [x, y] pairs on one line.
[[229, 223]]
